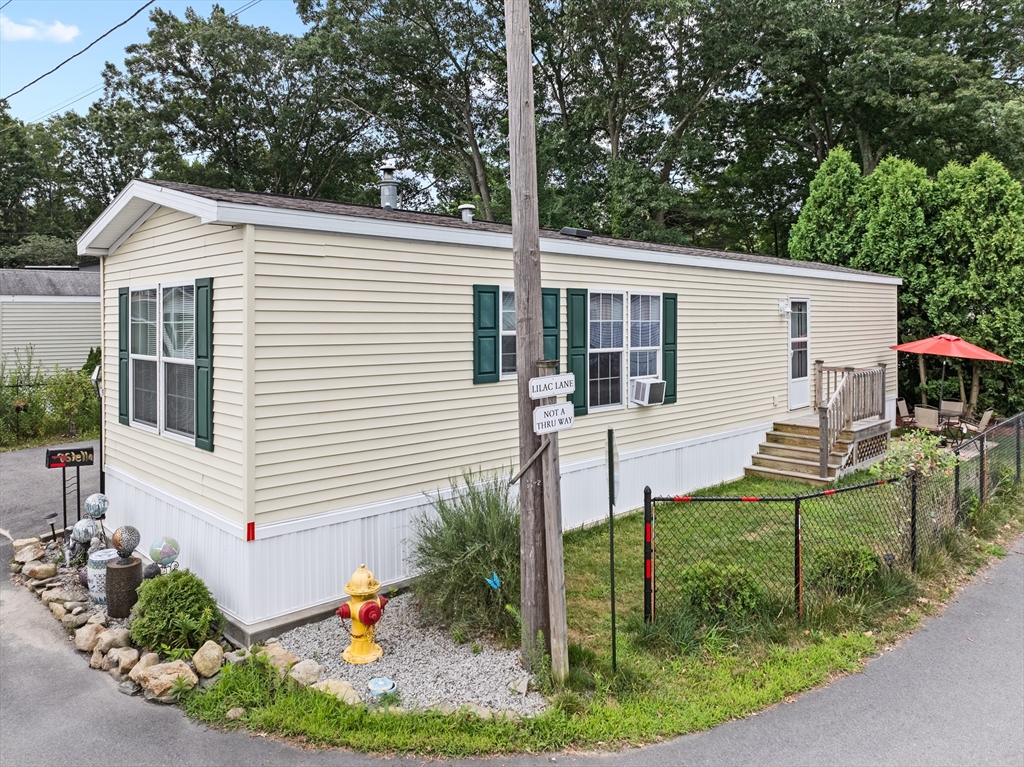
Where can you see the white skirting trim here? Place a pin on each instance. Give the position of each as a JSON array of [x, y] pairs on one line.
[[297, 564]]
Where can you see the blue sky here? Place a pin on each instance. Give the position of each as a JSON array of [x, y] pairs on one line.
[[36, 35]]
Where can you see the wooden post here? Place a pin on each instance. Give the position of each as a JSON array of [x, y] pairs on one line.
[[881, 396], [529, 328], [559, 637], [817, 384]]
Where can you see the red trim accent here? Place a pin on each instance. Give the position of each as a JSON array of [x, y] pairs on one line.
[[750, 498], [647, 533], [682, 498], [647, 567], [829, 492], [883, 482], [250, 532]]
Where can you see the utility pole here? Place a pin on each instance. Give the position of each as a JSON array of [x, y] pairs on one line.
[[536, 546]]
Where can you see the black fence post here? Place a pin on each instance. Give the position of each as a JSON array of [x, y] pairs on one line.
[[958, 517], [648, 559], [798, 594], [1020, 418], [981, 471], [913, 521]]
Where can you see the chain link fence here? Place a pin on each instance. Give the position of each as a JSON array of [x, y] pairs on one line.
[[783, 545]]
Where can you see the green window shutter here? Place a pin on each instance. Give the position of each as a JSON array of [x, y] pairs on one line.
[[576, 332], [668, 345], [552, 325], [486, 331], [204, 363], [123, 334]]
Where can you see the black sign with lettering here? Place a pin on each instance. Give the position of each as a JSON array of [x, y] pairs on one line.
[[69, 456]]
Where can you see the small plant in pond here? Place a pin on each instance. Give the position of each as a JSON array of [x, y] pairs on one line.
[[175, 611], [843, 570], [917, 451], [461, 548], [720, 591]]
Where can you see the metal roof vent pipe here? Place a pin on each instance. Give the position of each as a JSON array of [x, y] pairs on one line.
[[388, 186], [467, 211]]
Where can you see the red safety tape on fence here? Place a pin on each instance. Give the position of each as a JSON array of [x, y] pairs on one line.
[[682, 498], [750, 498], [829, 492], [647, 532], [647, 566]]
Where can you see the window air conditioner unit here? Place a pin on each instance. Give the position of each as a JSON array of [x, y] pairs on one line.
[[647, 391]]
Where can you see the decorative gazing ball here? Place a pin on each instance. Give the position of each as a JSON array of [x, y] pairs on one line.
[[125, 539], [85, 530], [96, 505], [164, 551]]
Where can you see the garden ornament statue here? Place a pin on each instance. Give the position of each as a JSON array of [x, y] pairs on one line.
[[365, 609], [125, 539], [164, 552], [82, 535], [125, 574]]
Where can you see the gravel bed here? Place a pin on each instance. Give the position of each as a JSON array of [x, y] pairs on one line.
[[430, 669]]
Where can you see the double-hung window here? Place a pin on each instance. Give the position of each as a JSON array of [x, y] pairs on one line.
[[163, 360], [607, 343], [644, 336], [508, 334]]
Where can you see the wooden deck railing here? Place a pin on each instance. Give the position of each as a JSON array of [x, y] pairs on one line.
[[842, 396]]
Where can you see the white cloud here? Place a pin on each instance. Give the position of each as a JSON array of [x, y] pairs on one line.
[[36, 30]]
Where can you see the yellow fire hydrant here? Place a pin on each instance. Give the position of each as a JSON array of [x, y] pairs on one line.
[[365, 609]]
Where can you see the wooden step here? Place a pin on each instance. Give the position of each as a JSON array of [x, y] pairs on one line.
[[795, 428], [798, 451], [788, 438], [764, 471], [793, 464]]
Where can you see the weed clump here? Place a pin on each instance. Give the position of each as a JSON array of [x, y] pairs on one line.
[[720, 591], [844, 570], [175, 612]]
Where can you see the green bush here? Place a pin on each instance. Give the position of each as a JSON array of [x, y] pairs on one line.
[[174, 612], [93, 360], [458, 545], [720, 591], [843, 569]]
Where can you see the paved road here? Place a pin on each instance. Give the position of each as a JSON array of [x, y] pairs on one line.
[[952, 694]]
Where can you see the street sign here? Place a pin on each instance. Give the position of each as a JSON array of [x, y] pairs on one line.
[[552, 386], [549, 418]]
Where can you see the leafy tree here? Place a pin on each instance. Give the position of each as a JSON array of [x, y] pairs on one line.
[[17, 177], [825, 229], [38, 250]]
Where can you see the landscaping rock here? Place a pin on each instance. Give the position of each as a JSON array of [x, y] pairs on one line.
[[521, 685], [147, 660], [109, 660], [58, 610], [22, 543], [87, 636], [340, 689], [29, 552], [112, 639], [279, 657], [74, 621], [57, 595], [40, 571], [128, 687], [99, 618], [306, 672], [42, 584], [236, 657], [208, 659], [116, 675], [159, 680], [235, 713], [481, 711], [73, 604], [206, 682], [168, 700], [96, 661], [127, 659], [77, 610], [16, 567]]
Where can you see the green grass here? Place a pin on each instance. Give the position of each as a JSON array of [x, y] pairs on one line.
[[675, 677]]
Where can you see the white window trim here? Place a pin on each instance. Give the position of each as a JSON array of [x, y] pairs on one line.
[[160, 360], [629, 347], [502, 333], [622, 351]]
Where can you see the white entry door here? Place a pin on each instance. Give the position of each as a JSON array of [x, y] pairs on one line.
[[799, 354]]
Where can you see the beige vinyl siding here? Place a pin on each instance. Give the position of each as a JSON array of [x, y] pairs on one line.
[[60, 331], [173, 247], [363, 362]]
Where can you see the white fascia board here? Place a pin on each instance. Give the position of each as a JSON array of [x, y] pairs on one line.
[[131, 229], [277, 218], [31, 299], [112, 224]]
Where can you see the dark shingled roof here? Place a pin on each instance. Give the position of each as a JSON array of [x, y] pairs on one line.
[[48, 282], [432, 219]]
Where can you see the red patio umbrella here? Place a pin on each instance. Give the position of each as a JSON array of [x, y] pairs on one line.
[[946, 345]]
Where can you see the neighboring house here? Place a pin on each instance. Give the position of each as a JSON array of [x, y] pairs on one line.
[[56, 312], [286, 378]]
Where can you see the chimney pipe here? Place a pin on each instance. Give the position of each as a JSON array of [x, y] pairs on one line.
[[467, 210], [388, 186]]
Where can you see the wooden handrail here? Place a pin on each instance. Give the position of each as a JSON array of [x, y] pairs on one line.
[[857, 394]]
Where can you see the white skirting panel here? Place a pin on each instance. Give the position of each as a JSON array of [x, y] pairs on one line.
[[306, 562]]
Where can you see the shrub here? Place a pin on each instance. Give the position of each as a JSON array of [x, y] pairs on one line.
[[720, 591], [844, 570], [458, 545], [175, 611], [93, 360]]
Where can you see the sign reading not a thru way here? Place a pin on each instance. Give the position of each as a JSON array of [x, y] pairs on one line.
[[549, 418]]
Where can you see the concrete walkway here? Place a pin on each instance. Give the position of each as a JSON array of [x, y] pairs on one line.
[[951, 694]]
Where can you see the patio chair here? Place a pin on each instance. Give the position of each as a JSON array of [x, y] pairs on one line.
[[980, 426], [951, 412], [927, 418], [905, 418]]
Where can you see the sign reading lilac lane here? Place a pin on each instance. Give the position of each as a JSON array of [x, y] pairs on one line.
[[552, 386], [549, 418]]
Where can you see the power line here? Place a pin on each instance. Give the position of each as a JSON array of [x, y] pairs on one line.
[[6, 4], [90, 45]]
